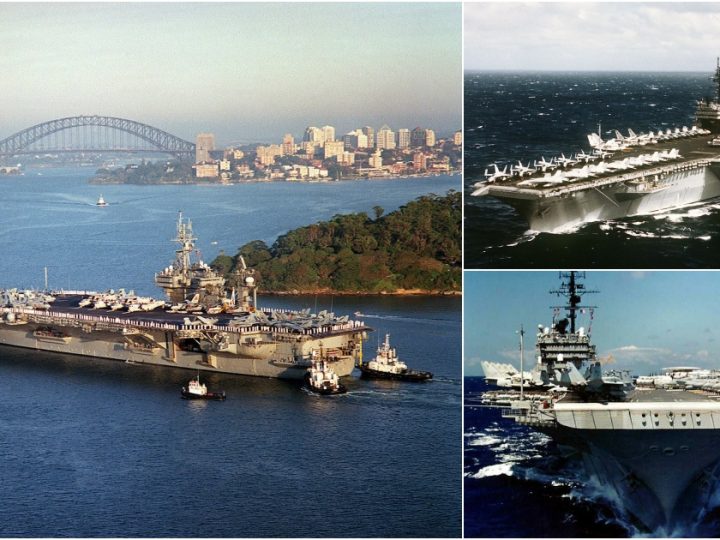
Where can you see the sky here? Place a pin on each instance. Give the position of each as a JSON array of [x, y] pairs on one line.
[[617, 36], [246, 72], [645, 320]]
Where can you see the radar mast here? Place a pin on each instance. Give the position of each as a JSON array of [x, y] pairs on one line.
[[572, 289]]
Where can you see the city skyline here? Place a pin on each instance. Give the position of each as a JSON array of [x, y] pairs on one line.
[[246, 72], [614, 36], [645, 320]]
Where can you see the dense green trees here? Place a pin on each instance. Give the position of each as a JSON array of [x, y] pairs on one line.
[[147, 172], [416, 247]]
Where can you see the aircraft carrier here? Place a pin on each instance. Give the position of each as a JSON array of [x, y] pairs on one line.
[[657, 448], [207, 323], [627, 175]]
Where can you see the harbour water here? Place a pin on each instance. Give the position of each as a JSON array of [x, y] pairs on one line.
[[102, 448], [511, 116]]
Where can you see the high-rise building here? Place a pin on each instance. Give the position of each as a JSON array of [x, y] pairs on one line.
[[334, 148], [419, 161], [403, 138], [347, 158], [355, 139], [204, 144], [417, 137], [429, 138], [370, 134], [288, 144], [457, 138], [308, 149], [266, 154], [314, 135], [385, 139], [375, 160], [328, 133]]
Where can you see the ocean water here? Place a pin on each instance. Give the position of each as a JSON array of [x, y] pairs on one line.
[[101, 448], [523, 116], [518, 484]]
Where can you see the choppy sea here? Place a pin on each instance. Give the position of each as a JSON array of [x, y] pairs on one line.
[[511, 116], [519, 483]]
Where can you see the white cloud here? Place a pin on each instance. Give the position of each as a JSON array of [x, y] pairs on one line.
[[591, 36], [647, 359]]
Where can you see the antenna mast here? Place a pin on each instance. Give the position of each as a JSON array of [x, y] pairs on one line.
[[573, 291]]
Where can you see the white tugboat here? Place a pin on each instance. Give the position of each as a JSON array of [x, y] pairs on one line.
[[101, 202], [387, 365], [196, 390], [321, 379]]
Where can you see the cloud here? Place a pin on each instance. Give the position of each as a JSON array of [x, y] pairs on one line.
[[590, 36], [642, 355], [646, 359]]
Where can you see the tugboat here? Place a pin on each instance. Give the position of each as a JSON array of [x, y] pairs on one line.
[[386, 365], [196, 390], [101, 202], [321, 379]]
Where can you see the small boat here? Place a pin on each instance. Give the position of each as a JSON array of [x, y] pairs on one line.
[[359, 314], [387, 365], [196, 390], [321, 379], [101, 202]]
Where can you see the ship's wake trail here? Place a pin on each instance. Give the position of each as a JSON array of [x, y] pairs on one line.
[[684, 223], [530, 457]]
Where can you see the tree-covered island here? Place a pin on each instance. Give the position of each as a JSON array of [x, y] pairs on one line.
[[413, 250]]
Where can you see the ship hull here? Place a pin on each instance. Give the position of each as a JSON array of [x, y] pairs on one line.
[[662, 478], [113, 346], [561, 213], [409, 375]]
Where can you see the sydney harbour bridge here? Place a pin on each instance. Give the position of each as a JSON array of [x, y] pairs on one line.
[[94, 134]]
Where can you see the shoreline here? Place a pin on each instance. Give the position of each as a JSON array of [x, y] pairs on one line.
[[328, 292], [198, 182]]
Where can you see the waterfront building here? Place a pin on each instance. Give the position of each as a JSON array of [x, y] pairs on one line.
[[204, 144], [420, 161], [333, 149], [225, 165], [237, 155], [346, 158], [457, 138], [403, 138], [375, 160], [385, 139], [206, 170]]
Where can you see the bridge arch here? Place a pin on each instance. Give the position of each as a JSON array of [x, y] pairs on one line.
[[162, 141]]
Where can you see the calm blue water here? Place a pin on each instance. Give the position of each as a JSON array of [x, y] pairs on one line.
[[523, 116], [102, 448], [518, 483], [51, 220]]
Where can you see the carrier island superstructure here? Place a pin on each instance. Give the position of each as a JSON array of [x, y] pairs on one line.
[[627, 175], [657, 449], [207, 323]]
